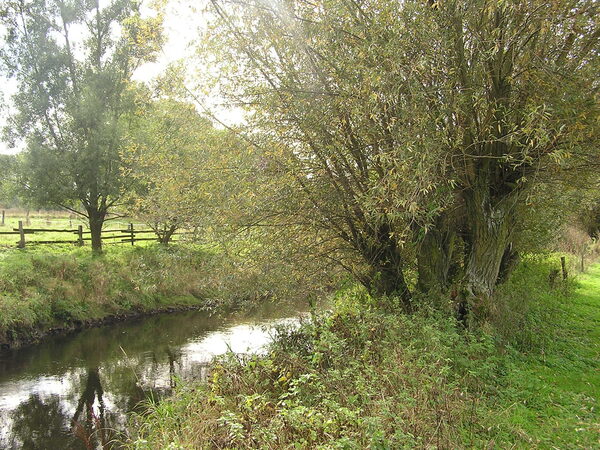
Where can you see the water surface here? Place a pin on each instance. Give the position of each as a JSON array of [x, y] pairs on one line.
[[74, 391]]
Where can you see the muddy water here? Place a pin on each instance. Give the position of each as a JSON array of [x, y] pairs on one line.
[[75, 391]]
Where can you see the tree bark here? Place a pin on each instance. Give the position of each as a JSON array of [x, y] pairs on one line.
[[489, 238], [510, 259], [387, 264], [388, 279], [434, 258], [96, 219], [165, 235]]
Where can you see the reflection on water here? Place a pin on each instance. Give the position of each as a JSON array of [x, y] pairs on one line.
[[75, 391]]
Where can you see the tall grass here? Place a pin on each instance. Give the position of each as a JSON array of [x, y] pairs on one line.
[[65, 288]]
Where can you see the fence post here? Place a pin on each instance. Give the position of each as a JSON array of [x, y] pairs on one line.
[[563, 264], [80, 235], [3, 217], [21, 235], [132, 234]]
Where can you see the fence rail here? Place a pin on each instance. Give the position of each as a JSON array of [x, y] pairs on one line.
[[127, 235]]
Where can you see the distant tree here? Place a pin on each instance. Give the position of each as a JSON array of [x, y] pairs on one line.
[[9, 192], [12, 191], [178, 161], [73, 61]]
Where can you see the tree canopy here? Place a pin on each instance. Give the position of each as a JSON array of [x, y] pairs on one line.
[[180, 164], [414, 132]]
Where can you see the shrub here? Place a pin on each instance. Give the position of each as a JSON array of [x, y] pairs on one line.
[[354, 378]]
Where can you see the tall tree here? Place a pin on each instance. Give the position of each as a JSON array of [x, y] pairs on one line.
[[414, 126], [73, 61], [514, 87], [331, 92]]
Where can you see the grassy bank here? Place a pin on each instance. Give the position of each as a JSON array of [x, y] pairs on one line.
[[52, 289], [366, 376]]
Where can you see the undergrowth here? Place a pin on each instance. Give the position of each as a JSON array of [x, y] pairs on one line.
[[367, 376]]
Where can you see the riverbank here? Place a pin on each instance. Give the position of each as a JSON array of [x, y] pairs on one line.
[[368, 376], [74, 392], [63, 291], [59, 290]]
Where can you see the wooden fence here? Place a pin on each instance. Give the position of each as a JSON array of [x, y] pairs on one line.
[[128, 235]]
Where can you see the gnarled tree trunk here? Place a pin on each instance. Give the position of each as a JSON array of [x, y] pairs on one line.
[[387, 266], [490, 235], [165, 235], [434, 258], [510, 259]]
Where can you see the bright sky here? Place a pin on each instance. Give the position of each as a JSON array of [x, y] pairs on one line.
[[183, 19]]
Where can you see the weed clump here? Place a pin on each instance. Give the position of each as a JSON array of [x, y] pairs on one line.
[[354, 378]]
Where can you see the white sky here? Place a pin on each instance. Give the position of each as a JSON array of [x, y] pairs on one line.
[[183, 20]]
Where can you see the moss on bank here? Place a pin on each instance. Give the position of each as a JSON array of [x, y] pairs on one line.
[[367, 376]]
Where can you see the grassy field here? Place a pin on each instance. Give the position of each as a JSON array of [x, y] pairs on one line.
[[52, 220], [366, 376], [551, 398]]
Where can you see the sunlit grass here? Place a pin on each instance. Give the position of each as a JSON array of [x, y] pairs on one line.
[[54, 220], [551, 400]]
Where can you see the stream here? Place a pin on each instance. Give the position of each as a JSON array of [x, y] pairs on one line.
[[75, 391]]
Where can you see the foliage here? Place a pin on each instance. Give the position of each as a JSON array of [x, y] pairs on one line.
[[217, 184], [9, 194], [334, 140], [182, 166], [73, 63], [362, 377], [346, 380], [590, 218], [12, 192], [393, 131]]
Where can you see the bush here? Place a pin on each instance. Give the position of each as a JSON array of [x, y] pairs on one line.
[[527, 303], [354, 378]]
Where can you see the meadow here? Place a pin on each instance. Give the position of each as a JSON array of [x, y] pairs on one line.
[[51, 220]]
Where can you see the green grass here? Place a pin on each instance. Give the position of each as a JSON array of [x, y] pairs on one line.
[[41, 291], [367, 376], [552, 399], [54, 220], [50, 287]]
